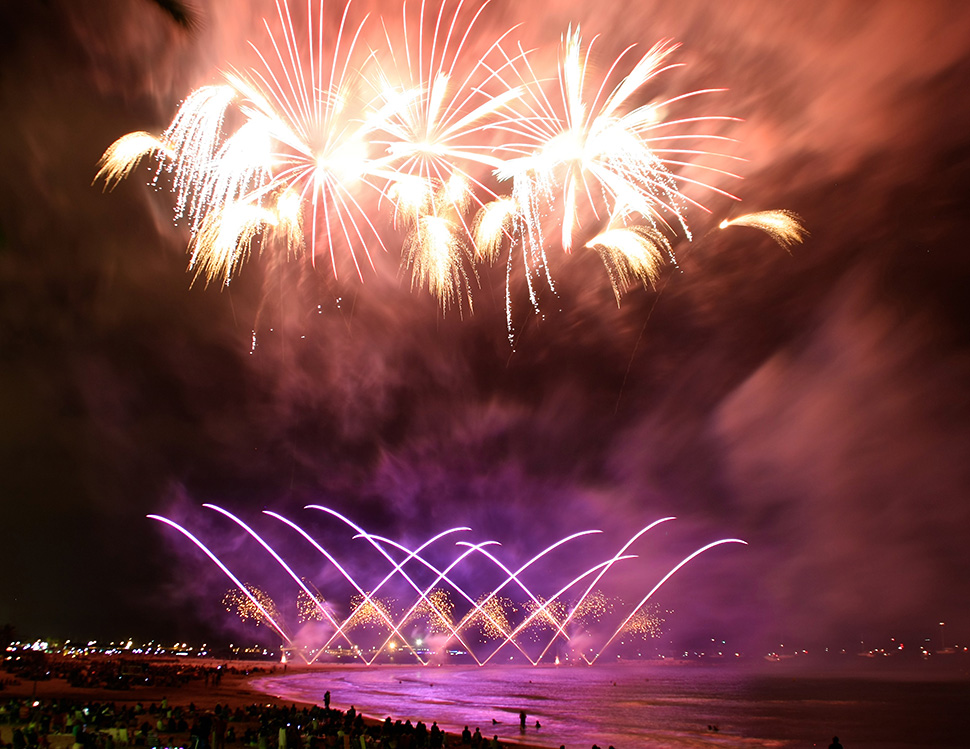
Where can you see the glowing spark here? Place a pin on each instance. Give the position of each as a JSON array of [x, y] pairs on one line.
[[551, 612], [435, 134], [310, 606], [489, 616], [659, 585], [437, 610], [595, 152], [223, 242], [411, 196], [368, 612], [434, 251], [494, 221], [124, 155], [630, 254], [785, 227], [254, 605], [646, 622], [289, 219]]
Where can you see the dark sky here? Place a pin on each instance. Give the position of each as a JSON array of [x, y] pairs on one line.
[[814, 403]]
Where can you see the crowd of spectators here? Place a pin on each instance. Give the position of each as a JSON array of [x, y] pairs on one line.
[[106, 725]]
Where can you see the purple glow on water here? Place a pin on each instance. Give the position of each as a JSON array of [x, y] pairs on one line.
[[651, 705]]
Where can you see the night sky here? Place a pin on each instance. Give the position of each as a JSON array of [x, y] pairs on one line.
[[812, 402]]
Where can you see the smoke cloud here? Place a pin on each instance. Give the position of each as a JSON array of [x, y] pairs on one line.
[[812, 402]]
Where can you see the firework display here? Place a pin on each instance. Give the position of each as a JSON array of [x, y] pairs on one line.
[[420, 601], [251, 604], [470, 151]]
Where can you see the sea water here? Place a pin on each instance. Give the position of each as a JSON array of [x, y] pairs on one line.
[[655, 705]]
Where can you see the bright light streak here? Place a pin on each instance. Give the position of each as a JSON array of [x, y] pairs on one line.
[[299, 150], [242, 588], [492, 614], [124, 155], [366, 596], [590, 154], [665, 578], [785, 227], [296, 578], [631, 254]]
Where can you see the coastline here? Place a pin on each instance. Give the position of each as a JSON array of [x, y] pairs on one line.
[[234, 690]]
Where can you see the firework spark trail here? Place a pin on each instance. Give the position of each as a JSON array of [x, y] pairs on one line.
[[296, 578], [785, 227], [125, 154], [584, 141], [305, 149], [514, 576], [432, 143], [630, 254], [273, 623], [439, 612], [442, 575], [340, 629], [244, 608], [328, 149], [590, 147], [397, 567], [616, 557], [489, 607], [657, 587], [310, 607], [544, 606]]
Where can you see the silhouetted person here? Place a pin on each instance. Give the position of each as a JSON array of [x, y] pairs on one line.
[[522, 720], [835, 743], [326, 699]]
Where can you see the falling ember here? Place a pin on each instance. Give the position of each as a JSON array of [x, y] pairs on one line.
[[785, 227], [224, 240], [493, 222], [254, 605], [437, 610], [646, 623], [368, 612], [631, 254], [124, 155], [435, 252], [491, 615], [310, 606]]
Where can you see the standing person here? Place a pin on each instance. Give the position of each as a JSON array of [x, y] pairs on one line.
[[522, 720], [326, 699], [835, 743]]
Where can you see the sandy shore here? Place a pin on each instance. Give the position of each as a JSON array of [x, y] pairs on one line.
[[234, 690]]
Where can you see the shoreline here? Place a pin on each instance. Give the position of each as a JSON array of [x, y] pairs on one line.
[[235, 690]]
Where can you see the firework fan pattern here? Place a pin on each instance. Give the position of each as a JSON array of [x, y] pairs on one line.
[[428, 608], [473, 151]]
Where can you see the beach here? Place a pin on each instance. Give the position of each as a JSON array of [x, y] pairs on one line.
[[235, 690], [632, 705]]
